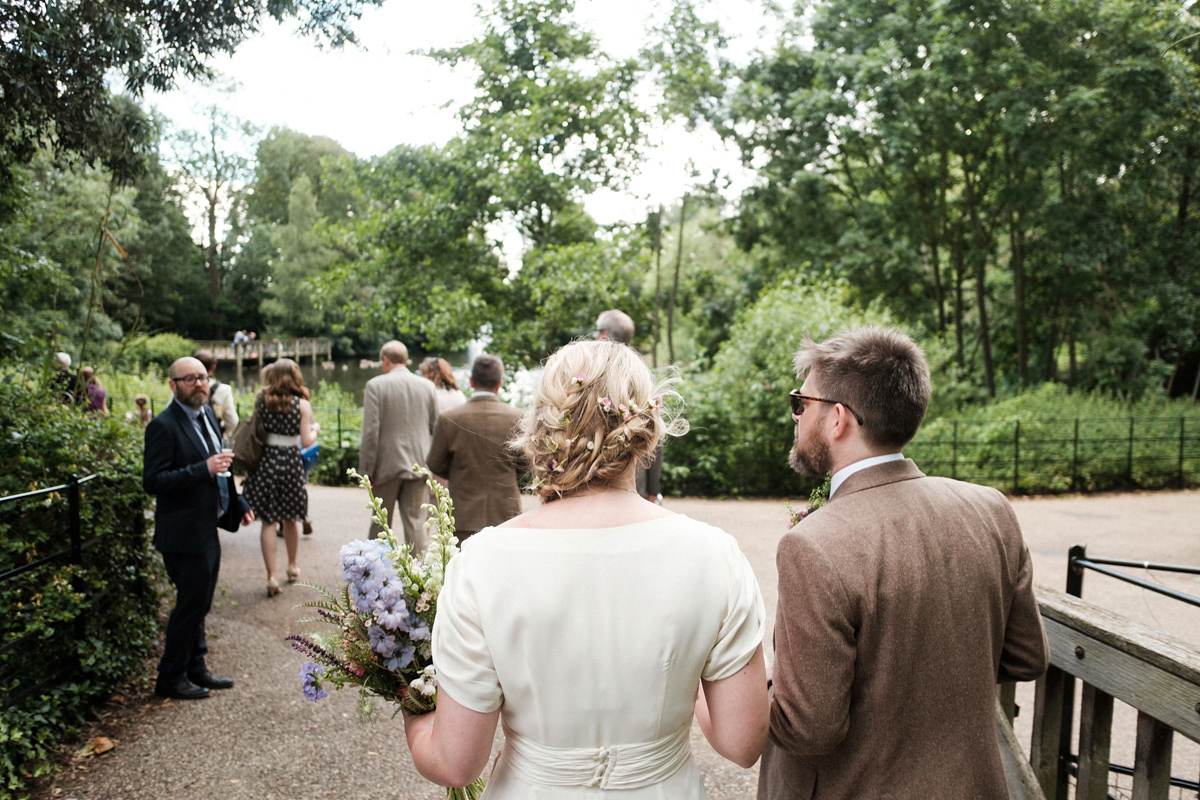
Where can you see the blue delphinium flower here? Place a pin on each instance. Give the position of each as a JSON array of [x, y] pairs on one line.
[[402, 657], [390, 609], [310, 676]]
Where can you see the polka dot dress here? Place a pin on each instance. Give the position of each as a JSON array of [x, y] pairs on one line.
[[275, 488]]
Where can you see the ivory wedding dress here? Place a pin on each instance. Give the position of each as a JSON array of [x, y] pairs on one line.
[[592, 642]]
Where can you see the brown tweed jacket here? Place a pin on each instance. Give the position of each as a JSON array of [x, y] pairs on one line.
[[470, 450], [902, 602]]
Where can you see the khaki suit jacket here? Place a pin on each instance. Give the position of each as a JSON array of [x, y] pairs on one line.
[[902, 602], [399, 412], [470, 449]]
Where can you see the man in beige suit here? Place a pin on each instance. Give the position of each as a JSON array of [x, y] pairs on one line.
[[470, 449], [399, 412], [902, 601]]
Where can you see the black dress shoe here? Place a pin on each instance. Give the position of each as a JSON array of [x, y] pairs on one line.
[[181, 689], [209, 681]]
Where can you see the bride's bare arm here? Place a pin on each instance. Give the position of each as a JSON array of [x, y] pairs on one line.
[[733, 712], [451, 746]]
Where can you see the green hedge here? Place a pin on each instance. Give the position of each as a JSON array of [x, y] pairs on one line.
[[114, 589]]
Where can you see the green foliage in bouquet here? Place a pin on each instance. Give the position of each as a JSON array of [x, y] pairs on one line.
[[382, 618]]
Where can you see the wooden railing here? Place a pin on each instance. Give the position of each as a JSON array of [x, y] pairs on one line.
[[1115, 659], [260, 351]]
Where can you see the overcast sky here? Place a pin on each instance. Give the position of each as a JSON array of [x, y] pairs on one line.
[[372, 99]]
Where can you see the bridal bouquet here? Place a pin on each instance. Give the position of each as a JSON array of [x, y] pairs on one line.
[[382, 618]]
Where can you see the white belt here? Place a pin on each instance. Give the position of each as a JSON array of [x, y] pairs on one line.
[[622, 766], [279, 440]]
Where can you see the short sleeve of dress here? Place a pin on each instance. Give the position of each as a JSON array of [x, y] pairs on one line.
[[464, 664], [744, 623]]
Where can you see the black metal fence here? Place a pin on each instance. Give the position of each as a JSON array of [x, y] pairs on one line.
[[1033, 456], [33, 657]]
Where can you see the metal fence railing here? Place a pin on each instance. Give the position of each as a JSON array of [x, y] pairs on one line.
[[1033, 456], [33, 659]]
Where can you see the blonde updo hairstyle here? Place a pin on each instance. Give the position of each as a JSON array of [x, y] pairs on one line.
[[596, 410]]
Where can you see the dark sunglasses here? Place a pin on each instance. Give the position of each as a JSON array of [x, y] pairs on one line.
[[798, 404]]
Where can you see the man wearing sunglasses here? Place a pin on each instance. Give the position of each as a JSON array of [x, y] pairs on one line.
[[902, 601]]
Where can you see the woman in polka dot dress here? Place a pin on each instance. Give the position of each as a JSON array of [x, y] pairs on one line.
[[275, 488]]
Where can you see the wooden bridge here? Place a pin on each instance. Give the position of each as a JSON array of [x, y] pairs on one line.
[[260, 352]]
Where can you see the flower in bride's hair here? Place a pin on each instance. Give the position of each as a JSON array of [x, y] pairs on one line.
[[579, 380], [555, 466], [624, 409], [606, 403]]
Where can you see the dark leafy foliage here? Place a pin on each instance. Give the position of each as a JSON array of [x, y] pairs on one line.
[[96, 620]]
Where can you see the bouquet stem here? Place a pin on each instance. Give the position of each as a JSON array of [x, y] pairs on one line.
[[472, 791]]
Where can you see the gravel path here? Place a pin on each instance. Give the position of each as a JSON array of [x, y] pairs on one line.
[[262, 740]]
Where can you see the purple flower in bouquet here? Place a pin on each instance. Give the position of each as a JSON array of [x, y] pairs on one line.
[[401, 658], [310, 677], [382, 617]]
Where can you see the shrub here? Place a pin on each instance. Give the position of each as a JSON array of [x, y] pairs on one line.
[[41, 444], [741, 426]]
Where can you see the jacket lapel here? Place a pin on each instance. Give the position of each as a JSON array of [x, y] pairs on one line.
[[189, 430]]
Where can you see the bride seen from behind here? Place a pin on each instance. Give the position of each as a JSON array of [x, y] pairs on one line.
[[588, 625]]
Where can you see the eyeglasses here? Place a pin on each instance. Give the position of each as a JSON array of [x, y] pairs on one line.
[[189, 380], [798, 404]]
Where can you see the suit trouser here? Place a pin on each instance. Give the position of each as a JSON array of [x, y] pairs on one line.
[[195, 579], [411, 494]]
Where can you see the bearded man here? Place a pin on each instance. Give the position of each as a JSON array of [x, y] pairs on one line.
[[902, 601], [184, 468]]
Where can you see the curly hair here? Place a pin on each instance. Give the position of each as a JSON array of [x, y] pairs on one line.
[[596, 411], [281, 382]]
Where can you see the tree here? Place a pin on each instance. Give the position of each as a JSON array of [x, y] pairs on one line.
[[554, 118], [212, 165], [984, 167], [289, 304], [416, 260], [55, 58], [284, 155], [560, 290]]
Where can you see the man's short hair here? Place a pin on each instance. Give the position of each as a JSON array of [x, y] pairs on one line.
[[618, 324], [394, 352], [487, 372], [64, 359], [206, 358], [880, 373]]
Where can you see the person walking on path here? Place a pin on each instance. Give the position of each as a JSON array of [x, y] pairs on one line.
[[902, 601], [182, 467], [470, 449], [275, 487], [399, 412]]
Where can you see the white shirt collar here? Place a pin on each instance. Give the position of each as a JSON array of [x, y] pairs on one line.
[[845, 472], [481, 393]]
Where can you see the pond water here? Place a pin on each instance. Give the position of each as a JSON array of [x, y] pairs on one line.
[[351, 376]]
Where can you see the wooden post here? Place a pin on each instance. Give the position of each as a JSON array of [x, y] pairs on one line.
[[1047, 729], [1095, 740], [1152, 759]]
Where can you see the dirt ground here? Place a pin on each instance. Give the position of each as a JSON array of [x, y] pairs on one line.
[[262, 740]]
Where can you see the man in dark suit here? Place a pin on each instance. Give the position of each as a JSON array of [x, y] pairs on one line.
[[185, 469], [470, 449], [902, 601]]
